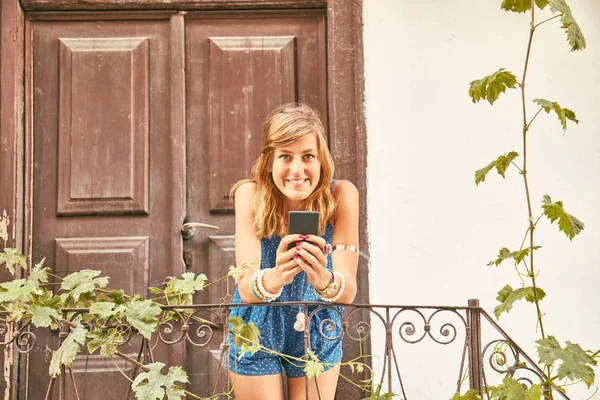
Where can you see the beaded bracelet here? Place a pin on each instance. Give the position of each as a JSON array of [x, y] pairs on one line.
[[255, 289], [263, 294], [339, 292]]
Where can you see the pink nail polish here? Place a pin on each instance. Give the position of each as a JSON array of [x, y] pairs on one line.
[[298, 243], [304, 236], [298, 248], [295, 257]]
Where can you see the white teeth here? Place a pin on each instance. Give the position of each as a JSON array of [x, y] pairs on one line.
[[297, 181]]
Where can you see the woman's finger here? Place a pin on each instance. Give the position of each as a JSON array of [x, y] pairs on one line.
[[306, 267], [316, 240], [315, 251], [311, 261]]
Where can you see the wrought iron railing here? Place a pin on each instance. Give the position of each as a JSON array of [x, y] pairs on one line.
[[488, 353]]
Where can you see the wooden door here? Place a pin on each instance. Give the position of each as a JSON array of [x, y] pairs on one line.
[[106, 187], [239, 67], [106, 125]]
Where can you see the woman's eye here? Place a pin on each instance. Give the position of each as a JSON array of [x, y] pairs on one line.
[[309, 156], [284, 156]]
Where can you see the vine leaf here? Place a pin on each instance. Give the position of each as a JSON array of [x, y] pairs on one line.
[[567, 223], [17, 290], [153, 385], [470, 394], [246, 336], [490, 87], [38, 273], [507, 296], [506, 254], [107, 341], [236, 272], [376, 394], [11, 257], [45, 307], [501, 164], [189, 284], [521, 6], [106, 309], [574, 35], [576, 364], [562, 113], [67, 351], [313, 367], [510, 389], [80, 282], [142, 315]]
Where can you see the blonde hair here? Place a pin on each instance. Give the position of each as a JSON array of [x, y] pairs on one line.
[[287, 123]]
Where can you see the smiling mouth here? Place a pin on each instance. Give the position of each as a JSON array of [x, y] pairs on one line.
[[297, 181]]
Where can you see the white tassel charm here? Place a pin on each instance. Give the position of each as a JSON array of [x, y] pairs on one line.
[[300, 323]]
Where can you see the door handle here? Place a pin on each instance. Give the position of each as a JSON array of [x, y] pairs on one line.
[[188, 230]]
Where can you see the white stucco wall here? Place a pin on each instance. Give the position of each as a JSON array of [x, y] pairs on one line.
[[432, 231]]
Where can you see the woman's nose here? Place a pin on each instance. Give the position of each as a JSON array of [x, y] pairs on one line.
[[296, 167]]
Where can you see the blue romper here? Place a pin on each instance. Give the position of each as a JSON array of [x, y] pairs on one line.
[[276, 324]]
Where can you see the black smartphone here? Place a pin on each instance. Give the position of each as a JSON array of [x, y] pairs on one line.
[[303, 222]]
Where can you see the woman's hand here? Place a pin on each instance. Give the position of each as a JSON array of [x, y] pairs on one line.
[[311, 256], [286, 268]]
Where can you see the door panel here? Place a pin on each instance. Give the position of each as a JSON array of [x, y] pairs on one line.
[[102, 168], [239, 67]]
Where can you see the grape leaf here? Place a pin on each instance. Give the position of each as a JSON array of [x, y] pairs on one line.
[[567, 223], [189, 284], [313, 367], [236, 272], [470, 394], [142, 315], [107, 341], [68, 350], [377, 395], [38, 273], [574, 35], [117, 297], [80, 282], [106, 309], [490, 87], [501, 164], [43, 308], [246, 336], [41, 316], [153, 385], [510, 389], [562, 113], [576, 364], [507, 296], [520, 6], [11, 257], [506, 254], [17, 290], [16, 310]]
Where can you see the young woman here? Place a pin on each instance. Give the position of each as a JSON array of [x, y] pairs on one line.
[[293, 172]]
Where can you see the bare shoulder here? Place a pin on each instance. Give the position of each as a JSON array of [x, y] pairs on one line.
[[343, 189], [245, 191]]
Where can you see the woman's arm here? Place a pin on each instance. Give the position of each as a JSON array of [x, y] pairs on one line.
[[247, 244], [248, 249], [312, 258], [346, 232]]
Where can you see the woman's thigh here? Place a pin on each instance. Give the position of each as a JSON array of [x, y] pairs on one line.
[[327, 383], [257, 387]]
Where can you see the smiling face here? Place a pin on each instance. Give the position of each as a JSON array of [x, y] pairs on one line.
[[296, 169]]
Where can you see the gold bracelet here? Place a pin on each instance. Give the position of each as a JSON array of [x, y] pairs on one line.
[[347, 247]]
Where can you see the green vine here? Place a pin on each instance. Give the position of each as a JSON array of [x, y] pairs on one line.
[[571, 362], [101, 319]]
